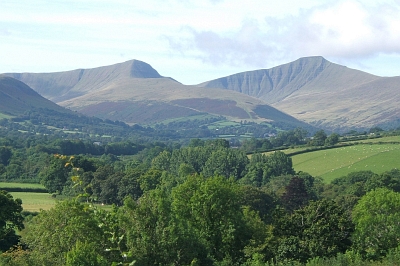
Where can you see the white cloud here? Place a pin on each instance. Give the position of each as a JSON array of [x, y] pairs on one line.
[[347, 29], [184, 38]]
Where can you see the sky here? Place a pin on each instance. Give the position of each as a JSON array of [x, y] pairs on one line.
[[195, 41]]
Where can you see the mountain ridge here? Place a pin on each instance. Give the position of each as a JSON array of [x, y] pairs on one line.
[[310, 89], [320, 92], [133, 92], [274, 84]]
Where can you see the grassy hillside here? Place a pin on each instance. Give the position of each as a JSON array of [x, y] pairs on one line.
[[332, 163]]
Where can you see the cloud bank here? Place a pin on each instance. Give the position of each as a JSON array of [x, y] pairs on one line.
[[347, 29]]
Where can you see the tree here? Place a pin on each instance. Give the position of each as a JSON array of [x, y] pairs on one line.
[[296, 195], [318, 138], [154, 236], [376, 217], [53, 233], [320, 229], [280, 164], [10, 220], [211, 209], [332, 139], [54, 176], [226, 162], [5, 155], [258, 200], [84, 254]]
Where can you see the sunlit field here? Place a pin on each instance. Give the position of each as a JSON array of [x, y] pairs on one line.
[[332, 163]]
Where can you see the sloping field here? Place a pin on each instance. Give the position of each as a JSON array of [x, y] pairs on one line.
[[332, 163]]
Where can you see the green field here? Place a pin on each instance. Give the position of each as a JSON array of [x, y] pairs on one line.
[[5, 116], [224, 123], [332, 163], [35, 202]]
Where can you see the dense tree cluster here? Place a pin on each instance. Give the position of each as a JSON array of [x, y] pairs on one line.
[[202, 204]]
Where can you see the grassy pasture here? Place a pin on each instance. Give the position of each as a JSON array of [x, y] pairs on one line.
[[5, 116], [223, 123], [332, 163], [35, 202], [31, 201]]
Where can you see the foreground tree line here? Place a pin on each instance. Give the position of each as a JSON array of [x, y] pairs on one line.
[[204, 204]]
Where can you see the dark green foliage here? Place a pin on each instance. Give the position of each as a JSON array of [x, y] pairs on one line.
[[280, 164], [56, 174], [263, 167], [319, 229], [10, 220], [289, 138], [318, 139], [5, 155], [253, 145], [226, 162], [204, 204], [25, 189], [349, 189], [258, 200], [295, 195], [332, 139], [389, 179]]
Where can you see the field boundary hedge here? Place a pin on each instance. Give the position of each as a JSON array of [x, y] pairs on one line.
[[24, 189]]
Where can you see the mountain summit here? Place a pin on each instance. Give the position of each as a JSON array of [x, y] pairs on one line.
[[61, 86], [320, 92], [275, 84]]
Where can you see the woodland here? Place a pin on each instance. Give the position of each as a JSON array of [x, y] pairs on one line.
[[206, 202]]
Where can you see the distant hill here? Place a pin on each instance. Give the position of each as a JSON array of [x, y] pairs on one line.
[[29, 112], [322, 93], [133, 92], [16, 98]]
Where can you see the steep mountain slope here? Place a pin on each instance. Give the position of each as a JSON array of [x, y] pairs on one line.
[[319, 92], [60, 86], [134, 92], [16, 98]]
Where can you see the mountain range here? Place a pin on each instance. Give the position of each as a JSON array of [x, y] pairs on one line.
[[133, 92], [310, 89]]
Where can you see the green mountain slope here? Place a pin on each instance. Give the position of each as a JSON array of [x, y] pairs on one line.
[[319, 92]]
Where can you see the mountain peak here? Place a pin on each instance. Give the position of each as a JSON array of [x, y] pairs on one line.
[[140, 69], [274, 84]]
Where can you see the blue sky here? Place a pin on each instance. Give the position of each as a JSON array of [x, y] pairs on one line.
[[195, 41]]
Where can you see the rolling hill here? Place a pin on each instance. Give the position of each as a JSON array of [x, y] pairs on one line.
[[134, 92], [16, 98], [322, 93]]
